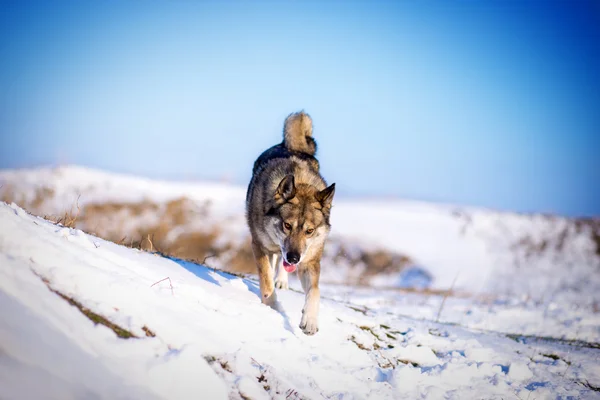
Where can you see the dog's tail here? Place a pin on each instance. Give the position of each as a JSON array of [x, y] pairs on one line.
[[297, 133]]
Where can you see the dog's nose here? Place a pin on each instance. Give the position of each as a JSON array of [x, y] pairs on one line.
[[292, 257]]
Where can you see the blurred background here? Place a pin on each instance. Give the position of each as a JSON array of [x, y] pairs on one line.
[[484, 103]]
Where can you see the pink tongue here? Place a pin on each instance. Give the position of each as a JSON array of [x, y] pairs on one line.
[[289, 267]]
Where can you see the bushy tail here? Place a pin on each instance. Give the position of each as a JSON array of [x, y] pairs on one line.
[[297, 133]]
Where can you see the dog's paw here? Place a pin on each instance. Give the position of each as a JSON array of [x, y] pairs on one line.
[[281, 284], [309, 325]]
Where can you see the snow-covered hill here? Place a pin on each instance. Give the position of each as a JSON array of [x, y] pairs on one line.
[[481, 251], [65, 296]]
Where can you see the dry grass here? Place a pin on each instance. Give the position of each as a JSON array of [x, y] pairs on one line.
[[448, 293], [149, 226], [242, 259], [167, 228], [38, 205], [69, 218], [557, 241], [382, 262], [34, 205], [92, 316], [370, 262]]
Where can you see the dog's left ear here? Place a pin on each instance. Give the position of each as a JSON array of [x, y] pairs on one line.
[[325, 196]]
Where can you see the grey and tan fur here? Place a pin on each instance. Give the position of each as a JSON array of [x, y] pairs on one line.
[[288, 205]]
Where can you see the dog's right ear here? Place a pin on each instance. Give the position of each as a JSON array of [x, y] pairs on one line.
[[286, 189]]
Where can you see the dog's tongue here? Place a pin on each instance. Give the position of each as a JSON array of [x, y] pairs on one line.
[[289, 267]]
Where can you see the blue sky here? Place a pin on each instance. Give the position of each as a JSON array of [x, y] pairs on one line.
[[486, 103]]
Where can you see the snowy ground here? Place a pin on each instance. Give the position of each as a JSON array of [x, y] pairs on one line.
[[214, 339], [478, 251]]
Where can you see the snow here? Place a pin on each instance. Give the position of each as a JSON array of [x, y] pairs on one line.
[[519, 372], [214, 339], [566, 320], [469, 249]]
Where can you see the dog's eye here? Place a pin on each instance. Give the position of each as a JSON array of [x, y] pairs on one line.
[[310, 231], [287, 226]]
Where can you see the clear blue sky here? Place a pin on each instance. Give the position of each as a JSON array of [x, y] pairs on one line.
[[486, 103]]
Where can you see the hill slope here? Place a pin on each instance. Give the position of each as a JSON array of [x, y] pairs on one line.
[[548, 258], [204, 334]]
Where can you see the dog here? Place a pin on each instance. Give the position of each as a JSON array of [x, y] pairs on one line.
[[288, 205]]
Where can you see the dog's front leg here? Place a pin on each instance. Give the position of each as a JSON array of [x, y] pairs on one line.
[[265, 276], [281, 278], [309, 277]]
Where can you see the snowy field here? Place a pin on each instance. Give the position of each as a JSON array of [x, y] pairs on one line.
[[469, 249], [517, 324], [214, 339]]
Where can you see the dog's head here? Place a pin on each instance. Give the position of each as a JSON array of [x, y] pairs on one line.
[[299, 218]]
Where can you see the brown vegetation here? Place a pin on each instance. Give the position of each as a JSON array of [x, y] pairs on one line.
[[96, 318], [185, 229], [382, 262]]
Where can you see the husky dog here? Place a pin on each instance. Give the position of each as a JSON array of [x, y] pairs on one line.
[[287, 208]]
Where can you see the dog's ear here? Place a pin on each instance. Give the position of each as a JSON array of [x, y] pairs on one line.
[[325, 196], [286, 189]]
